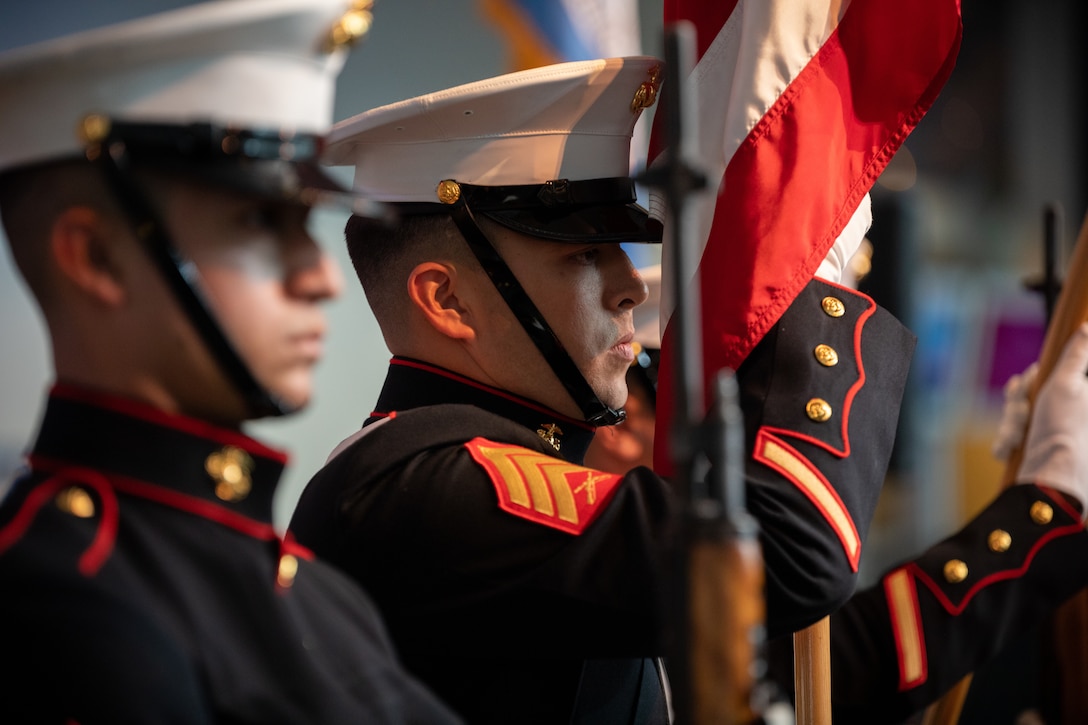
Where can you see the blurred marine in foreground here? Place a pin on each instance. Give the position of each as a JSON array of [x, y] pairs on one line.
[[155, 182]]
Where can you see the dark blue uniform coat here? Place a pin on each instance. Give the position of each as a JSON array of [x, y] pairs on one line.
[[523, 587], [133, 592]]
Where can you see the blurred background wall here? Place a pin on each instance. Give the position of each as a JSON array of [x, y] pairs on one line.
[[957, 231]]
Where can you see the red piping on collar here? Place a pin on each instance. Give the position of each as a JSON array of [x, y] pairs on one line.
[[185, 424], [488, 389]]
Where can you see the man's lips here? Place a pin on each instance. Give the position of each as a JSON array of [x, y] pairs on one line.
[[624, 348], [309, 345]]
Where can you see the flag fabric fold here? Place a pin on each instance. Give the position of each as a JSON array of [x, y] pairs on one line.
[[801, 104]]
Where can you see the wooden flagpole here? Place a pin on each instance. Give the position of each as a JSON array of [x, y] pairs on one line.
[[812, 673]]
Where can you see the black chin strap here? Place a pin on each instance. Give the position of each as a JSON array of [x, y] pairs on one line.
[[183, 279], [593, 408]]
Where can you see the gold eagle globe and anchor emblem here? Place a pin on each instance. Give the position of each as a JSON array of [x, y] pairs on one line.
[[550, 432]]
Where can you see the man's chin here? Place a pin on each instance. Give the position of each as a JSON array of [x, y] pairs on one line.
[[294, 402], [293, 394], [616, 396]]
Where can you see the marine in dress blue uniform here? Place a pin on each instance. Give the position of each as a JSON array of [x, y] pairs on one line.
[[146, 583], [517, 583], [143, 578]]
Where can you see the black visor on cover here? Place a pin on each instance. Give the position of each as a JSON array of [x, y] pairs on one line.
[[264, 163], [592, 210]]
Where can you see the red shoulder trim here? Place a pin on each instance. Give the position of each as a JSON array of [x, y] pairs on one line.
[[182, 502], [98, 552]]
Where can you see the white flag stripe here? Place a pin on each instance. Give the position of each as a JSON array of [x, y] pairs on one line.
[[760, 50]]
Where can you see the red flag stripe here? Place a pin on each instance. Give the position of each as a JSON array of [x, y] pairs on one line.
[[707, 17], [796, 178], [824, 141]]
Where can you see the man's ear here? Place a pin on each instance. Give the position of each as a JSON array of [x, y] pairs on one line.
[[433, 289], [80, 247]]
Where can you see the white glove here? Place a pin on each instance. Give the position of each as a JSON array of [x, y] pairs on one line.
[[1015, 414], [1056, 453], [844, 248]]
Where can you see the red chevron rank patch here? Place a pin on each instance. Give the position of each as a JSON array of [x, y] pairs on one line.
[[537, 487]]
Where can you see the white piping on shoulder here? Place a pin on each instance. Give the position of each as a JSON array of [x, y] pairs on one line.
[[347, 442]]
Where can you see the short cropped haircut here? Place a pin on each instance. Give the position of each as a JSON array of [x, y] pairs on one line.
[[384, 255], [30, 200]]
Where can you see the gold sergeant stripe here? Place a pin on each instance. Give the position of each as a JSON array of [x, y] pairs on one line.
[[907, 626], [515, 484], [801, 471], [555, 473], [536, 480]]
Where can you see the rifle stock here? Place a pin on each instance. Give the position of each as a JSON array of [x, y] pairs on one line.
[[725, 565], [718, 595], [726, 576], [1070, 310]]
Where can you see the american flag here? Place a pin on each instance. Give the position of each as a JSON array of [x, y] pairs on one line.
[[801, 104]]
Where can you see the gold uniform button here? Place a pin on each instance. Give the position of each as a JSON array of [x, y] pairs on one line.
[[955, 571], [448, 191], [230, 468], [75, 501], [1041, 513], [288, 568], [999, 540], [818, 410], [826, 355], [833, 306]]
